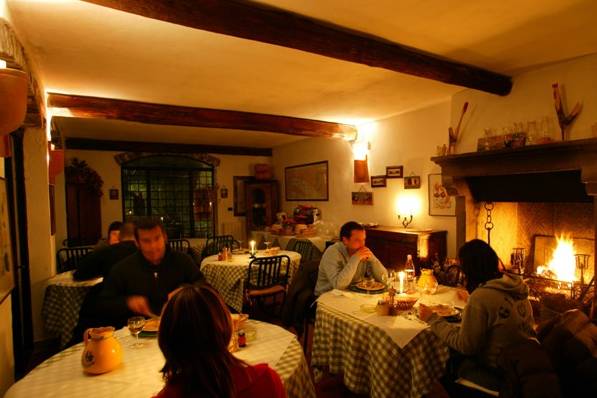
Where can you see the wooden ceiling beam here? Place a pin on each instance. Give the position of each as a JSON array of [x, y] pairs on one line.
[[249, 20], [107, 108], [161, 147]]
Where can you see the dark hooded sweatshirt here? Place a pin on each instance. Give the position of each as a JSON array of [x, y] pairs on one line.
[[498, 314]]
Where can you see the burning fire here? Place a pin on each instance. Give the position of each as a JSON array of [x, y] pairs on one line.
[[563, 263]]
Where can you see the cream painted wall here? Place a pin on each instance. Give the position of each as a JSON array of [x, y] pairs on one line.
[[531, 99], [41, 243], [7, 364], [103, 162], [6, 348], [408, 139]]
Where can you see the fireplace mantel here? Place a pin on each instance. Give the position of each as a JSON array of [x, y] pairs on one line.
[[557, 172], [578, 155]]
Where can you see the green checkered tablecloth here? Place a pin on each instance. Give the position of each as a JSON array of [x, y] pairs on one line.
[[228, 277], [139, 376], [371, 362], [62, 303]]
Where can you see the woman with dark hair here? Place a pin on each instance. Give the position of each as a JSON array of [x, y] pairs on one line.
[[498, 314], [195, 331]]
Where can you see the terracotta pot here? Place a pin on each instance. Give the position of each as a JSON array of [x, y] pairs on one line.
[[13, 99]]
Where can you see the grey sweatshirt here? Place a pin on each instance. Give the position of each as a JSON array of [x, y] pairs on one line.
[[338, 270], [498, 314]]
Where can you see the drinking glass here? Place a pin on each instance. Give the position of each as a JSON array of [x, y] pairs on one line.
[[267, 245], [135, 325]]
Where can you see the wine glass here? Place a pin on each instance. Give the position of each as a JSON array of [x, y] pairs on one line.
[[135, 325], [267, 245]]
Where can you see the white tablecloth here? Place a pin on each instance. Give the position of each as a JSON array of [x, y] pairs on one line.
[[228, 277], [139, 376]]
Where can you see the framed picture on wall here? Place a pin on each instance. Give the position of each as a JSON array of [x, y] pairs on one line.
[[239, 194], [378, 181], [307, 182], [394, 171], [440, 203], [6, 277]]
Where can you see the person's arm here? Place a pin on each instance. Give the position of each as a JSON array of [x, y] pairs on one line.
[[379, 271], [338, 272], [467, 338], [90, 266]]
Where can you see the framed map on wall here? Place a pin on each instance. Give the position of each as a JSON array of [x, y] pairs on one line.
[[308, 182]]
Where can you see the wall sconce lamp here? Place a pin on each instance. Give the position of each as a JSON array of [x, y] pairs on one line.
[[407, 206], [361, 167], [13, 98]]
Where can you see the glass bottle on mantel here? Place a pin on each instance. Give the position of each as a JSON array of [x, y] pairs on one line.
[[409, 268]]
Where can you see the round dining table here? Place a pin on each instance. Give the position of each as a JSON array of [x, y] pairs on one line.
[[381, 356], [139, 373], [62, 303], [228, 277]]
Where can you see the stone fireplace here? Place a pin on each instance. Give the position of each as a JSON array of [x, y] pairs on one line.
[[537, 208]]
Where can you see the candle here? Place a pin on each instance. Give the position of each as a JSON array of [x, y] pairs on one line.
[[401, 276], [252, 247]]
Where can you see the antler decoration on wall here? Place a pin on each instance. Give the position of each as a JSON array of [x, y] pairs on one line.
[[565, 121], [453, 133]]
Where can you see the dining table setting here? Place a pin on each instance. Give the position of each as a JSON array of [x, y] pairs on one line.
[[372, 335], [131, 367], [62, 302], [228, 275]]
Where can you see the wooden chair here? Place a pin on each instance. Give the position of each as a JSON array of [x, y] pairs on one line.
[[267, 277], [216, 243], [68, 258], [454, 276], [179, 245]]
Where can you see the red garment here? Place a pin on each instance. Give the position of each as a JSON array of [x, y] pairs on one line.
[[251, 382]]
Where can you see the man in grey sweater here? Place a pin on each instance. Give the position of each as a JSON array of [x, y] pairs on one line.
[[347, 262]]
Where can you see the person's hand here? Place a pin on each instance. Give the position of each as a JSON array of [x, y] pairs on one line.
[[462, 295], [173, 292], [138, 305], [364, 253], [424, 312]]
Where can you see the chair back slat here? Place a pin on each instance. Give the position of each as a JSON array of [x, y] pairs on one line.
[[271, 271], [179, 245], [215, 244], [69, 258]]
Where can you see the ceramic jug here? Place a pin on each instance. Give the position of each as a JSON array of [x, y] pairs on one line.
[[102, 352], [427, 282]]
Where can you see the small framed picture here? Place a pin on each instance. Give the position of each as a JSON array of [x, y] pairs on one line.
[[362, 198], [440, 202], [113, 194], [412, 182], [394, 171], [378, 181]]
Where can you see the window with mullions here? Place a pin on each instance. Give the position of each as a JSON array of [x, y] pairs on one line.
[[178, 190]]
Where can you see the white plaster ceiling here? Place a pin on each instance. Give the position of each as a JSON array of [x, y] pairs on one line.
[[85, 49]]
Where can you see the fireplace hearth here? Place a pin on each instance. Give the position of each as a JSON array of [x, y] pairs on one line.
[[536, 206]]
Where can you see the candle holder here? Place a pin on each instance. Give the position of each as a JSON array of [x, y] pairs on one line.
[[406, 220]]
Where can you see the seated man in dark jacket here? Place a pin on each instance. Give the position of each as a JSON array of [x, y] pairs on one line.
[[95, 264], [142, 283], [99, 262]]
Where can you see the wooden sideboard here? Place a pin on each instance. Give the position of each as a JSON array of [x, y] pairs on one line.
[[391, 245]]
